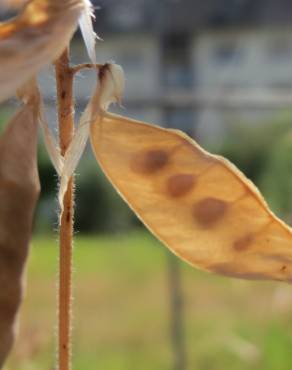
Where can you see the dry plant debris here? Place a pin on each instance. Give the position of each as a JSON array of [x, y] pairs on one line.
[[19, 189]]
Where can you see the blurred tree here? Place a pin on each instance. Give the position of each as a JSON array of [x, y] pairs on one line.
[[248, 147], [276, 179], [263, 153], [99, 207]]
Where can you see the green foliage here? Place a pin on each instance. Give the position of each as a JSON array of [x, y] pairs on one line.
[[276, 179], [248, 147], [98, 206], [263, 153], [5, 114]]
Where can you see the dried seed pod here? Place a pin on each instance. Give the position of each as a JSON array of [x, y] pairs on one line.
[[19, 189], [199, 205]]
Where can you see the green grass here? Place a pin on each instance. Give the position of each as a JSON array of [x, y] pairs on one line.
[[121, 312]]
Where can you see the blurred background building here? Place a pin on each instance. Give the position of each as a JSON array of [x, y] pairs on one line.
[[196, 65], [183, 57]]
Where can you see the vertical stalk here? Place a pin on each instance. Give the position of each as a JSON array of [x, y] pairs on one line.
[[176, 313], [64, 80]]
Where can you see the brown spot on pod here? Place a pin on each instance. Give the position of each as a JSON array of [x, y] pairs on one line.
[[150, 161], [283, 268], [209, 211], [180, 184], [243, 243]]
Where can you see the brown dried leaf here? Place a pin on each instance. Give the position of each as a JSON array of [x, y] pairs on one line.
[[33, 39], [19, 189]]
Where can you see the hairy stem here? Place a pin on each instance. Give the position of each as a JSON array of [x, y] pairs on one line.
[[64, 79]]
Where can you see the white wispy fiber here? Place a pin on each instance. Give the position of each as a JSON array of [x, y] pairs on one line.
[[52, 147], [30, 92], [74, 153], [86, 27]]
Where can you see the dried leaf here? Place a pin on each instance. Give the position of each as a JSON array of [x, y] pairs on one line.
[[27, 93], [19, 189], [112, 85], [52, 147], [87, 30], [33, 39], [74, 153]]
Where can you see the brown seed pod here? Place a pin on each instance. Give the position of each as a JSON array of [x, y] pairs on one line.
[[199, 205]]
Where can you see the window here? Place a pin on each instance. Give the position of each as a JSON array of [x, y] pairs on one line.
[[125, 17], [131, 60], [180, 118], [226, 52], [176, 61], [280, 49]]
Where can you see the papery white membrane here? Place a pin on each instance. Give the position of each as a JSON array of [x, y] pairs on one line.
[[74, 152], [112, 86], [52, 147], [30, 91], [86, 27], [108, 90]]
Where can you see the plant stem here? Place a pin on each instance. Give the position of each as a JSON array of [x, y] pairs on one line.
[[64, 80], [176, 313]]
